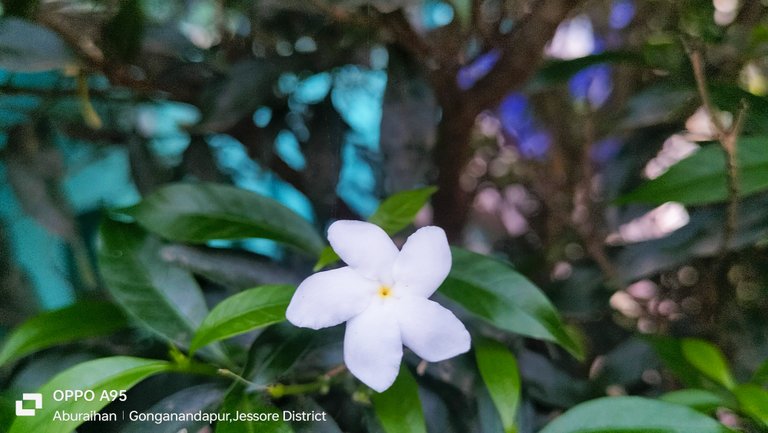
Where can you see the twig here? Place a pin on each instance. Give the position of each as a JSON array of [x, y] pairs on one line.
[[728, 139], [587, 212]]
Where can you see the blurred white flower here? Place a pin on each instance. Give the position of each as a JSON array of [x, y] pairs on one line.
[[382, 295]]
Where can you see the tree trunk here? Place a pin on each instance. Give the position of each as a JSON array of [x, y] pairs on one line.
[[453, 150]]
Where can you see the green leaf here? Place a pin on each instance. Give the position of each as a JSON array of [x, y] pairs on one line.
[[28, 47], [200, 398], [164, 299], [237, 401], [6, 413], [392, 215], [399, 210], [123, 33], [701, 178], [709, 360], [495, 292], [671, 353], [498, 368], [555, 72], [201, 212], [730, 97], [399, 408], [761, 374], [244, 312], [632, 414], [699, 399], [463, 11], [116, 373], [327, 256], [753, 400], [275, 351], [77, 322], [247, 84]]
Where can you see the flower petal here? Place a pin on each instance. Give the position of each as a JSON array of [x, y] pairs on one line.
[[423, 263], [329, 298], [430, 330], [365, 247], [372, 347]]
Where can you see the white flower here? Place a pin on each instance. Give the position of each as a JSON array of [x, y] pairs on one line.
[[382, 295]]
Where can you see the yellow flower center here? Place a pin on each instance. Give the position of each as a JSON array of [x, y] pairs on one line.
[[385, 292]]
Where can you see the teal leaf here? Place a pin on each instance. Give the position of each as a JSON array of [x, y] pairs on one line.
[[28, 47]]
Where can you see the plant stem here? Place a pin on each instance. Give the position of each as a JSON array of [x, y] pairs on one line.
[[728, 138]]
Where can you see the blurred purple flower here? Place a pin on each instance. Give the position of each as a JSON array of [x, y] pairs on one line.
[[605, 150], [471, 73], [622, 13], [592, 85], [519, 125], [535, 146]]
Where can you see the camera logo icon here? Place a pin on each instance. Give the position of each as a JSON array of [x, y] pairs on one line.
[[33, 397]]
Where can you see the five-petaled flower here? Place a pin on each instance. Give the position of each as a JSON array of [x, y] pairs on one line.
[[382, 295]]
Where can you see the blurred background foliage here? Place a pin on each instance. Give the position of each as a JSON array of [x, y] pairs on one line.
[[551, 128]]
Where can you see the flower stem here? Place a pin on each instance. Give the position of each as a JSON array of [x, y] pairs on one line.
[[278, 390]]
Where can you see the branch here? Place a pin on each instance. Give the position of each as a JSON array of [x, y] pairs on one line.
[[397, 23], [522, 52], [728, 138]]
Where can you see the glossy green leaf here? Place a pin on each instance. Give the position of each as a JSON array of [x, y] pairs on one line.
[[327, 256], [671, 353], [701, 178], [699, 399], [730, 97], [753, 400], [164, 299], [708, 359], [199, 398], [498, 368], [116, 373], [494, 291], [399, 210], [555, 72], [201, 212], [237, 401], [399, 408], [392, 215], [761, 374], [307, 404], [77, 322], [6, 413], [244, 312], [276, 350], [632, 415]]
